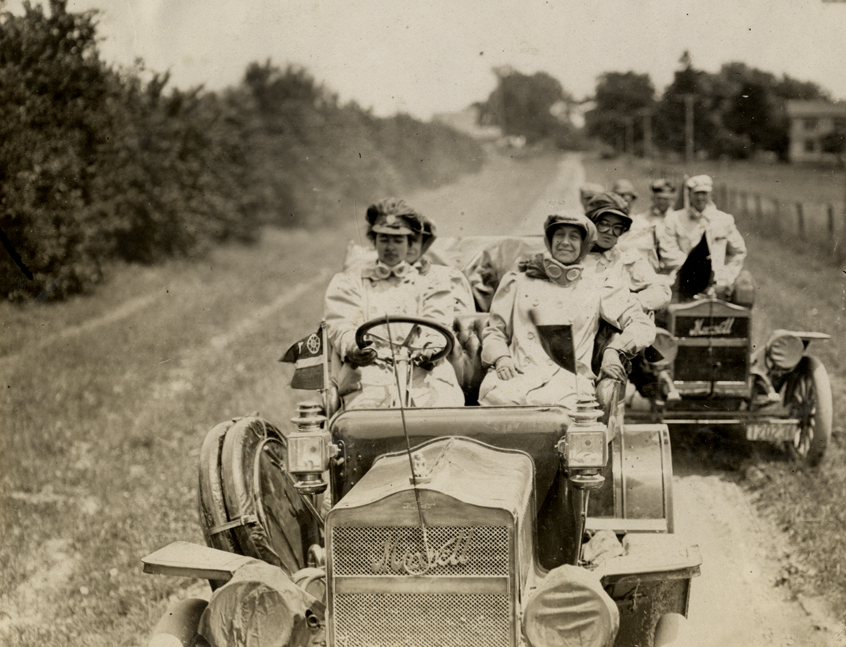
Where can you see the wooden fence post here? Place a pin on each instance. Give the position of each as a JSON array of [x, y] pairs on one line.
[[800, 220]]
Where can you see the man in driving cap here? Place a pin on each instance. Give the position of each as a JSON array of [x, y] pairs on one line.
[[642, 235], [707, 231]]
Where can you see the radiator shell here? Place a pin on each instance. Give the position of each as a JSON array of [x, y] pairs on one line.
[[713, 347], [477, 504]]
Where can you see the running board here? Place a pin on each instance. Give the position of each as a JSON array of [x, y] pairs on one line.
[[672, 418]]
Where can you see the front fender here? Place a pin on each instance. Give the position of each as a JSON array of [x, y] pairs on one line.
[[178, 626]]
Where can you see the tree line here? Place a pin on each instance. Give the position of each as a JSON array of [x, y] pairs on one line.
[[99, 163], [737, 112]]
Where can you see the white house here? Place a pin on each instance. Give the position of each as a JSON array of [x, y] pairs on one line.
[[810, 123]]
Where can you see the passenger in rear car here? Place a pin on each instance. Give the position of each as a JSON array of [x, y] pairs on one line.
[[389, 286], [643, 235], [543, 320], [628, 269], [626, 266], [702, 247]]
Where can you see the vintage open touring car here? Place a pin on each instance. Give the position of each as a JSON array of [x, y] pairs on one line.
[[480, 526], [777, 393]]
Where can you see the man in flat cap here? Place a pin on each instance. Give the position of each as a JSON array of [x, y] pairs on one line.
[[587, 191], [701, 244], [642, 236]]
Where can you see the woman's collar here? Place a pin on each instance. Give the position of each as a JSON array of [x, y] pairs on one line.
[[422, 265]]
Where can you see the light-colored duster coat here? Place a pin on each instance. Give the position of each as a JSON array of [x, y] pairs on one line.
[[683, 229], [628, 269], [355, 297], [521, 303]]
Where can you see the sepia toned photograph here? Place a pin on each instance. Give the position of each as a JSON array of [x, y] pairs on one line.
[[446, 324]]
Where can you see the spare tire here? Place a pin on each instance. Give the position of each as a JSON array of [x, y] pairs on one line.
[[248, 503]]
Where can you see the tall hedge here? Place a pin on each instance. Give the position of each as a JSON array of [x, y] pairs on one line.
[[98, 163]]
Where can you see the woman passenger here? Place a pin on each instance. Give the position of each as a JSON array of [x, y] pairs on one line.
[[418, 245], [626, 267], [391, 286], [540, 335]]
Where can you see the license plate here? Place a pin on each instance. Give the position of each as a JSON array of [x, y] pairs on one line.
[[776, 432]]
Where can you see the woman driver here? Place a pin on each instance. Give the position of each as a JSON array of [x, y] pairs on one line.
[[543, 322], [390, 286]]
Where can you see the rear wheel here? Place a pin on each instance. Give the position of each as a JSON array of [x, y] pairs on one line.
[[808, 396]]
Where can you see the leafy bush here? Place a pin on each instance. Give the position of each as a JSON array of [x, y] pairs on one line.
[[98, 164]]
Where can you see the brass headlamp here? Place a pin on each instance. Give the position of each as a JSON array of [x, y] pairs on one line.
[[585, 445], [309, 449]]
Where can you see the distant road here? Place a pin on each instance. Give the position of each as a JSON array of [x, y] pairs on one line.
[[499, 202]]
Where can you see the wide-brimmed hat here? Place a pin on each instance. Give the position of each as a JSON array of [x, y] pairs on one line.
[[559, 218], [700, 183], [611, 203], [393, 216]]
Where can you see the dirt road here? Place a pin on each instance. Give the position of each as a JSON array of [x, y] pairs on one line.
[[108, 398]]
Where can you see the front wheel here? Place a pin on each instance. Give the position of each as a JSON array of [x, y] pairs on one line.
[[808, 396]]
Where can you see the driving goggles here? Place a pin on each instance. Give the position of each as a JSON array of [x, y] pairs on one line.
[[603, 227]]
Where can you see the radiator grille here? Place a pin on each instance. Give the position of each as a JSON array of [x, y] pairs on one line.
[[381, 551], [422, 620], [697, 363]]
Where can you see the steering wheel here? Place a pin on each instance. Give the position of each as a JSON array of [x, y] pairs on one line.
[[449, 341]]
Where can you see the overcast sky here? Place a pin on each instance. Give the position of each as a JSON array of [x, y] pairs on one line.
[[423, 57]]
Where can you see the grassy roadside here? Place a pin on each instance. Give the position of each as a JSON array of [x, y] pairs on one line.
[[796, 290], [102, 431], [105, 404]]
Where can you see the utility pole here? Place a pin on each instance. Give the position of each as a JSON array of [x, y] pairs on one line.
[[689, 100], [646, 113]]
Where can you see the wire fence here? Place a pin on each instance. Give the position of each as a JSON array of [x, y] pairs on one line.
[[821, 224]]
